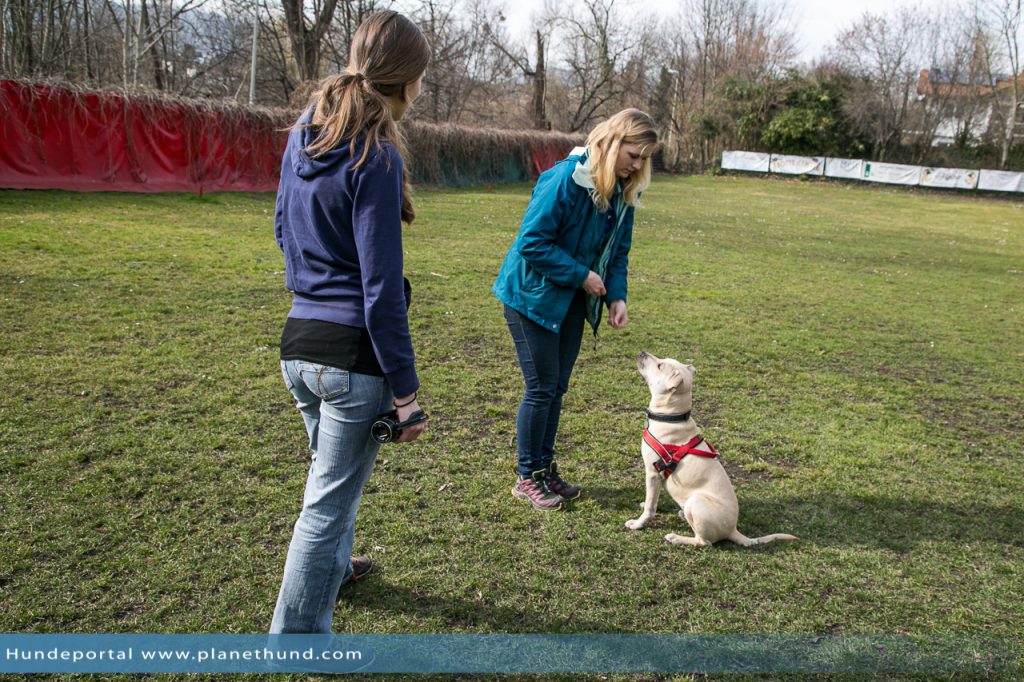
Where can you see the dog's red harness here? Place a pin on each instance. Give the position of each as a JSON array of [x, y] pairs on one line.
[[671, 455]]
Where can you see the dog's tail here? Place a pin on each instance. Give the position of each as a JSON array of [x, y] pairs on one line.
[[741, 539]]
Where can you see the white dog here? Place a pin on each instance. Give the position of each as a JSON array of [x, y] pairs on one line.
[[675, 453]]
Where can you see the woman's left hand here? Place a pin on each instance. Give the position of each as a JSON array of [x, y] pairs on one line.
[[617, 316], [409, 407]]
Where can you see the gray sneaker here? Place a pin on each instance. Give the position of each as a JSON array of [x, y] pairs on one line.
[[535, 490], [560, 487]]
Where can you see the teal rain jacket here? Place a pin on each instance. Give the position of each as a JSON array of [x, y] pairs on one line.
[[562, 238]]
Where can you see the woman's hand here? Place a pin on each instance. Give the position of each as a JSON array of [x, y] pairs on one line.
[[617, 316], [593, 284], [409, 406]]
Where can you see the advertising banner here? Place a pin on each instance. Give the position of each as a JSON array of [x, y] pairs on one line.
[[851, 169], [1001, 181], [798, 165], [892, 173], [746, 161], [953, 178]]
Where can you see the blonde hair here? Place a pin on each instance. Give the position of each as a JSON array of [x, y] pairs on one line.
[[388, 52], [629, 126]]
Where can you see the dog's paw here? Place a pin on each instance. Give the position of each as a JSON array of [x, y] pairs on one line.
[[636, 524], [683, 540]]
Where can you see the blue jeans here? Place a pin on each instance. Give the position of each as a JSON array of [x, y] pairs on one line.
[[338, 408], [547, 359]]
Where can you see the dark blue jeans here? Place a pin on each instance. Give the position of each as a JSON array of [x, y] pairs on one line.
[[547, 359]]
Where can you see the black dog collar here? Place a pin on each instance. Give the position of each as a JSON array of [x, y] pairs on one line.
[[672, 418]]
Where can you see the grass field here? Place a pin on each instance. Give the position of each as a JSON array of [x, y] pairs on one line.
[[859, 354]]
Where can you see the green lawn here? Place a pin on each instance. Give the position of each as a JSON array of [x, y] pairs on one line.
[[859, 354]]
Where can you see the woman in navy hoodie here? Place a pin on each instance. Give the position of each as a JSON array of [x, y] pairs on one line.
[[346, 352], [567, 262]]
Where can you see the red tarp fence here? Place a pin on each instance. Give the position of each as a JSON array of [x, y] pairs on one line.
[[57, 138], [60, 138], [546, 155]]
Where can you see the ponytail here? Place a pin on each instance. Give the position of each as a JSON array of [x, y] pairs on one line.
[[388, 51]]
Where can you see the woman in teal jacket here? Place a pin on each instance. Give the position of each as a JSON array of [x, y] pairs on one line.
[[569, 260]]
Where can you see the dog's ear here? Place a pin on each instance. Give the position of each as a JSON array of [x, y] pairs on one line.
[[673, 380]]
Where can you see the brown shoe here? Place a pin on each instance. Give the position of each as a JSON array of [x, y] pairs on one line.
[[361, 567]]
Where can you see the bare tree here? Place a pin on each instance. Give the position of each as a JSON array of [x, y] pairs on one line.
[[488, 89], [969, 111], [348, 16], [18, 29], [519, 59], [764, 45], [596, 44], [726, 41], [884, 51], [211, 55], [1003, 18], [306, 33], [145, 27], [949, 89]]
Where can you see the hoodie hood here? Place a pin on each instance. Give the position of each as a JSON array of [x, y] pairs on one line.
[[581, 174], [304, 165]]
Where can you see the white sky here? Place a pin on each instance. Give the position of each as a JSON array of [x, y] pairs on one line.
[[816, 22]]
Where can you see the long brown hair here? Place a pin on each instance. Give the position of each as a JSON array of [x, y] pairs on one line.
[[388, 52], [629, 126]]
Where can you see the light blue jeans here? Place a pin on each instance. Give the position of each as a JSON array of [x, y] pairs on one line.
[[338, 408]]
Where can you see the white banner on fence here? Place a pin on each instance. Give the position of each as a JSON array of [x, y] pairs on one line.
[[797, 165], [852, 169], [956, 178], [746, 161], [874, 171], [892, 173], [1001, 181]]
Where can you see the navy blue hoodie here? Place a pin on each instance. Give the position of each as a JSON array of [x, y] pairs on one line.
[[340, 230]]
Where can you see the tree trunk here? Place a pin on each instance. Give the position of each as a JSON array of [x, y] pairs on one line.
[[540, 116], [86, 39], [305, 40], [126, 43], [145, 38], [23, 56], [1011, 125]]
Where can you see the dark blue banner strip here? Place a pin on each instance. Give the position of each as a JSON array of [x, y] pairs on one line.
[[609, 653]]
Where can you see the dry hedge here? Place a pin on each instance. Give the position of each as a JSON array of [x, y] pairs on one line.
[[448, 154]]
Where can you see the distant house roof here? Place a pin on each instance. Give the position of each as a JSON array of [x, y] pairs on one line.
[[938, 82], [939, 76]]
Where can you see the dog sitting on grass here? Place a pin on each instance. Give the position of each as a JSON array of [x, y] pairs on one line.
[[676, 455]]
